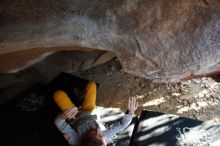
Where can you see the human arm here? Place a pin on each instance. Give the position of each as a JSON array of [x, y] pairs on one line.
[[69, 134], [117, 127], [121, 125]]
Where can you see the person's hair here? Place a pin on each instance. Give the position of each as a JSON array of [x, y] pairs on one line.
[[92, 141]]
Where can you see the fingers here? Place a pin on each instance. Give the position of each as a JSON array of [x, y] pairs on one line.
[[126, 103], [129, 102], [69, 110], [132, 102], [132, 105], [136, 105], [70, 113]]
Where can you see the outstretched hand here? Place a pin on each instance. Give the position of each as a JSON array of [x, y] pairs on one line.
[[132, 105]]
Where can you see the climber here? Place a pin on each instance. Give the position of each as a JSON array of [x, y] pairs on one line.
[[80, 126]]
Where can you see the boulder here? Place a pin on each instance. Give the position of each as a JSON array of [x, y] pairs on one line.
[[12, 84], [162, 40]]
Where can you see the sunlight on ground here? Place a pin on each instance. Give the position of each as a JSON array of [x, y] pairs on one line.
[[154, 102], [140, 96], [196, 106], [197, 98], [109, 114], [201, 99]]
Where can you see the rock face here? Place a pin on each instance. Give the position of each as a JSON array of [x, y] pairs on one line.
[[45, 70], [163, 40]]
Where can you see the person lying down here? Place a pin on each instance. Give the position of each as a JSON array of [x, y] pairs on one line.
[[80, 126]]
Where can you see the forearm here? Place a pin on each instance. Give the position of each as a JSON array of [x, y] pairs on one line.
[[69, 134], [62, 125], [117, 127]]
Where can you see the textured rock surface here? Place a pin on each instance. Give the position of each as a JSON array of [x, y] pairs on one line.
[[163, 40], [16, 61], [69, 61]]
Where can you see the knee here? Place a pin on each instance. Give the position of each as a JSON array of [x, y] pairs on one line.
[[91, 85], [62, 100], [59, 94]]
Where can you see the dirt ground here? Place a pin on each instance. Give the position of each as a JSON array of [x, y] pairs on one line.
[[197, 98]]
